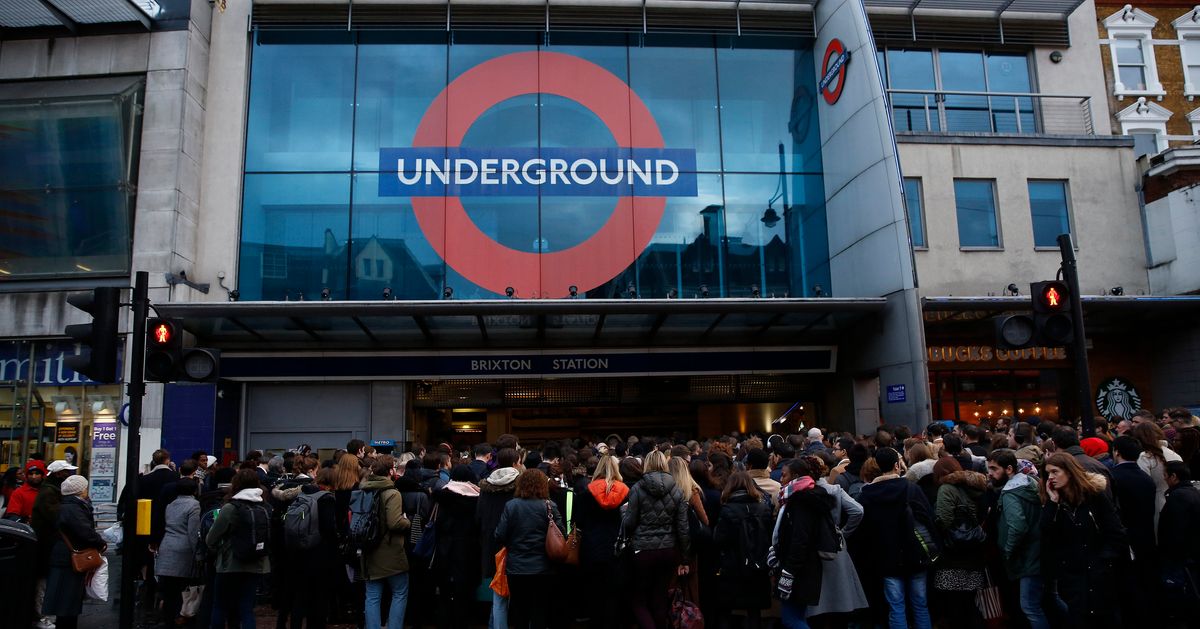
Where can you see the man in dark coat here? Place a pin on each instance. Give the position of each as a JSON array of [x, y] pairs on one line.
[[1133, 490], [149, 487], [1180, 544]]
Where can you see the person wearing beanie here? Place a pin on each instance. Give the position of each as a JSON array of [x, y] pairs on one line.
[[77, 527], [1096, 448]]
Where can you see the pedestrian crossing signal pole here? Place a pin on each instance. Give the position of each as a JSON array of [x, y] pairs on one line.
[[1083, 383], [136, 389]]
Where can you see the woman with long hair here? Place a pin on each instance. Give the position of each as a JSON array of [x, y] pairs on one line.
[[1082, 538], [1153, 460], [722, 465], [522, 530], [657, 525], [743, 535], [598, 517]]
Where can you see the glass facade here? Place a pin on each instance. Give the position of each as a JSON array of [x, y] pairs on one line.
[[1051, 217], [67, 190], [914, 205], [975, 203], [348, 131], [931, 82]]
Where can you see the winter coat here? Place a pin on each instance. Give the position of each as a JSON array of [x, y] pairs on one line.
[[64, 586], [1080, 546], [767, 486], [657, 517], [479, 468], [851, 482], [45, 519], [598, 517], [959, 500], [457, 537], [796, 549], [1092, 465], [388, 558], [1176, 526], [494, 494], [150, 487], [892, 547], [417, 507], [324, 559], [1031, 453], [841, 590], [177, 550], [745, 525], [1157, 471], [220, 536], [1018, 528], [919, 470], [1133, 491], [20, 503], [522, 530], [287, 488]]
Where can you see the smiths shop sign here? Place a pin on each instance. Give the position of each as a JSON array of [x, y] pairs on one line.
[[49, 367], [436, 172]]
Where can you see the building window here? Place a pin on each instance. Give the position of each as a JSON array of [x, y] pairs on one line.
[[920, 76], [1131, 51], [274, 263], [1049, 209], [914, 204], [1188, 29], [975, 202], [1147, 122]]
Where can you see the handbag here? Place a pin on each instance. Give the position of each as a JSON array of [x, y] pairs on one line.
[[500, 580], [556, 544], [987, 599], [83, 561], [621, 544], [426, 547], [964, 536], [574, 534]]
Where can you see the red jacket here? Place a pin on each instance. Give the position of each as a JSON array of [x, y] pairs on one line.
[[21, 502]]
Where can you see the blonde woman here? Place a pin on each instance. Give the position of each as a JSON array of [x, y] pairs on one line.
[[656, 522], [598, 515], [692, 494]]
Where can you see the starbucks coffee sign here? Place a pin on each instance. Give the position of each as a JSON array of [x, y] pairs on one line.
[[1117, 399]]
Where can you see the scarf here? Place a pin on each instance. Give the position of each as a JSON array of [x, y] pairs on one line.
[[803, 483], [463, 488]]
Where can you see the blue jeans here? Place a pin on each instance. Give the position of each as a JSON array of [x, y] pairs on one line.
[[398, 583], [1031, 602], [499, 618], [792, 615], [234, 592], [896, 590]]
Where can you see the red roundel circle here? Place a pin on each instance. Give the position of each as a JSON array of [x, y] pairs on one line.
[[478, 257], [833, 90]]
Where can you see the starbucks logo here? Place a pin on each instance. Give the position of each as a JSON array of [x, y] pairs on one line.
[[1117, 399]]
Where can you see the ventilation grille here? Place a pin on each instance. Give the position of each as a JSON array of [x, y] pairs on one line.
[[930, 29], [720, 20]]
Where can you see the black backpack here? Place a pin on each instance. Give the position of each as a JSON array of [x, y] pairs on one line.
[[366, 520], [754, 542], [251, 531]]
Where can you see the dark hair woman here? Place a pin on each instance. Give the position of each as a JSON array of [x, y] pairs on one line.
[[657, 525], [959, 571], [631, 470], [743, 535], [1082, 538], [76, 526], [237, 577], [522, 530], [722, 465]]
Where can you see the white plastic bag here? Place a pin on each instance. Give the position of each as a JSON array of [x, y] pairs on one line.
[[113, 534], [97, 581], [191, 600]]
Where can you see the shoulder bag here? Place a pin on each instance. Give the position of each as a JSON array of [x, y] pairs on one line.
[[83, 561], [556, 544]]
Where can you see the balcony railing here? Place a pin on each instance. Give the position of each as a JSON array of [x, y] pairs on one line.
[[1019, 113]]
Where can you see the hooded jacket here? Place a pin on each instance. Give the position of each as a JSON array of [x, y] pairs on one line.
[[388, 558], [220, 536], [657, 516], [20, 503], [494, 493], [959, 500], [598, 517], [1018, 528]]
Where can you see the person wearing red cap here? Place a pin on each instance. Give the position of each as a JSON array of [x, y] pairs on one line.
[[20, 505], [1097, 448]]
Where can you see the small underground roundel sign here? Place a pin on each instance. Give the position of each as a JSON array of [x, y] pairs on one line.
[[833, 77]]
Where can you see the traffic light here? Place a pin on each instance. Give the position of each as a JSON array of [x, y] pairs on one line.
[[1015, 331], [1052, 305], [97, 357], [167, 360]]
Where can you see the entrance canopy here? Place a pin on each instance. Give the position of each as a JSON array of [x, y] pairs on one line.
[[565, 323]]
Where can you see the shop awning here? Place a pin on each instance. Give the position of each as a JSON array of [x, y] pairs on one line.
[[566, 323]]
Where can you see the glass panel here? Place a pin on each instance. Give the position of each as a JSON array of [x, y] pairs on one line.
[[301, 96], [767, 104], [389, 248], [65, 194], [1010, 73], [913, 70], [1133, 77], [679, 86], [685, 252], [963, 72], [913, 205], [1048, 204], [1129, 51], [398, 78], [294, 237], [975, 200], [758, 254]]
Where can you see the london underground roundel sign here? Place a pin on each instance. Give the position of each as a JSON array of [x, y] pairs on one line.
[[437, 171], [833, 71]]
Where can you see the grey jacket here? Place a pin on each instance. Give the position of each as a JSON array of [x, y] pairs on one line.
[[657, 516], [176, 553]]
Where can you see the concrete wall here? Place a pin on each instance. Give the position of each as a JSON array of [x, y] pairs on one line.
[[1079, 73], [1105, 218], [1173, 231]]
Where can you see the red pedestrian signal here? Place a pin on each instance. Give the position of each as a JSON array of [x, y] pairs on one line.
[[1050, 297], [162, 334]]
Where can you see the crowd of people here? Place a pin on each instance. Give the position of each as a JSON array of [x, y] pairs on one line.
[[1021, 524]]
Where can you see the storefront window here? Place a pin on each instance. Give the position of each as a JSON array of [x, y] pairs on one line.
[[741, 112], [975, 396]]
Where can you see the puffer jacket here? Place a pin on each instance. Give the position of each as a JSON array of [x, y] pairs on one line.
[[959, 500], [522, 530], [1019, 530], [657, 516], [388, 558]]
